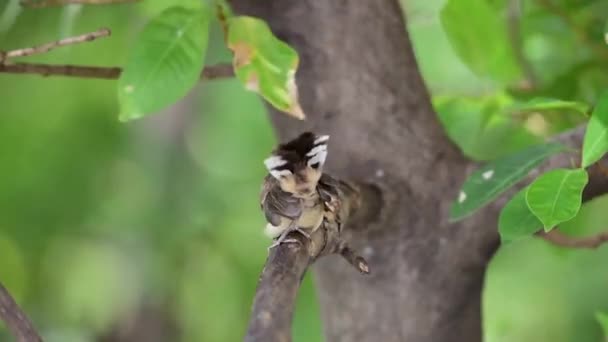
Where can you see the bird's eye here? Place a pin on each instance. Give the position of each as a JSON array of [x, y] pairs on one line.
[[314, 165]]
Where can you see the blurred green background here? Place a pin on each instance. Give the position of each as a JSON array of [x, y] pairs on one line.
[[156, 222]]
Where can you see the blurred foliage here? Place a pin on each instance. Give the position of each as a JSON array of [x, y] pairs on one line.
[[99, 219], [534, 291]]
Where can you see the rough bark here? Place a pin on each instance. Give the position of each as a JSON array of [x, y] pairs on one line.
[[359, 82]]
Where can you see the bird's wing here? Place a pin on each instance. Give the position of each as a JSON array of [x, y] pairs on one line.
[[331, 193], [276, 203], [328, 188]]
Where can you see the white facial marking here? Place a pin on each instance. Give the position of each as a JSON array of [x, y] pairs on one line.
[[318, 158], [322, 138], [488, 174], [274, 162], [317, 154], [461, 197], [279, 173], [316, 150]]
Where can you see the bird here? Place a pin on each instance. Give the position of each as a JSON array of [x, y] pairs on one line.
[[296, 195]]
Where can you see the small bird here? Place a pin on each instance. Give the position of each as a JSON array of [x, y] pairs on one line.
[[291, 197]]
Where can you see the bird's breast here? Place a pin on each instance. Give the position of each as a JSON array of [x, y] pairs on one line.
[[311, 217]]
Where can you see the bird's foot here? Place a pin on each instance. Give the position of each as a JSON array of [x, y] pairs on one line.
[[279, 242], [283, 237]]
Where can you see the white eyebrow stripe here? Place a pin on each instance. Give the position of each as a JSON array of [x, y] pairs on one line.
[[278, 173], [321, 139], [274, 162], [316, 150], [318, 158]]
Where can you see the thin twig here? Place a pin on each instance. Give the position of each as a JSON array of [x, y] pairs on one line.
[[560, 239], [49, 3], [354, 259], [16, 320], [87, 37], [222, 18], [287, 263], [109, 73]]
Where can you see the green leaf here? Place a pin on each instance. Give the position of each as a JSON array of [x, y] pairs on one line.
[[265, 64], [488, 182], [556, 196], [595, 143], [602, 318], [154, 7], [543, 103], [479, 36], [479, 128], [516, 220], [166, 61]]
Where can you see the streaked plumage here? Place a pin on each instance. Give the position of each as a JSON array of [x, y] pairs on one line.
[[292, 194]]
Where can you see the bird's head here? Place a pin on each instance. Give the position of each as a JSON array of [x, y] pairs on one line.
[[298, 164]]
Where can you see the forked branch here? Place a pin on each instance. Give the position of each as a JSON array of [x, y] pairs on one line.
[[287, 263]]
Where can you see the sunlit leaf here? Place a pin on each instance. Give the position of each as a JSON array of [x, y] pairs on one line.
[[479, 35], [264, 63], [166, 61], [595, 144], [516, 220], [556, 196], [488, 182]]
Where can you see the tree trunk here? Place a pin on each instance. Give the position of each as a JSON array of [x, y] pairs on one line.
[[359, 82]]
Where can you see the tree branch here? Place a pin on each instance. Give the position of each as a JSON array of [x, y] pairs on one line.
[[8, 67], [44, 48], [428, 273], [109, 73], [560, 239], [276, 293], [49, 3], [15, 319], [287, 263]]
